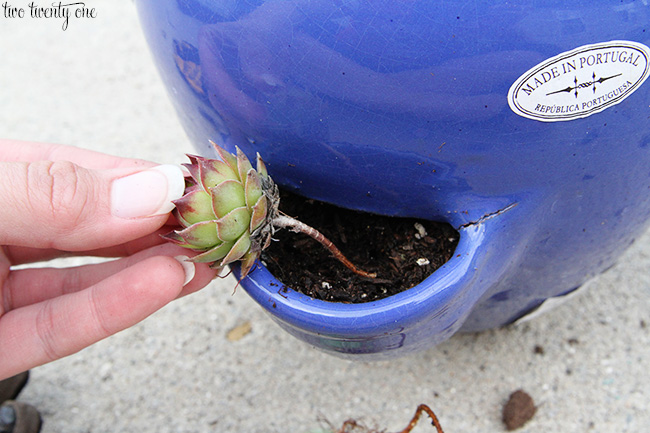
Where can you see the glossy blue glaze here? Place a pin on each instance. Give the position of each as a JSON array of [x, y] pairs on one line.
[[400, 108]]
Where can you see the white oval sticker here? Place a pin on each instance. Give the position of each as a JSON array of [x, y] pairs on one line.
[[580, 82]]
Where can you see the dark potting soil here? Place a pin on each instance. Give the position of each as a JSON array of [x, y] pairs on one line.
[[402, 251]]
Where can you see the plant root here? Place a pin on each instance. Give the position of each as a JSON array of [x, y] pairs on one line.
[[352, 426], [285, 221], [418, 413]]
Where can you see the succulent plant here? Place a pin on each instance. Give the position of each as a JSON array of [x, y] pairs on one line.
[[229, 212]]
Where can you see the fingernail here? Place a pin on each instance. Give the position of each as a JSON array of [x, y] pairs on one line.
[[148, 192], [188, 267]]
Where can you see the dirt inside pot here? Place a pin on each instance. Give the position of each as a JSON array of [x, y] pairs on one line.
[[402, 251]]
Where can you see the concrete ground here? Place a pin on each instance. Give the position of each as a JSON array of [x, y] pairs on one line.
[[93, 85]]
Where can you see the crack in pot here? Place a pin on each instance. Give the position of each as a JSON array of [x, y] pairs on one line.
[[488, 216]]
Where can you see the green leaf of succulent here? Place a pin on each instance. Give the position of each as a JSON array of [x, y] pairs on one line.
[[243, 164], [227, 157], [241, 247], [225, 210], [253, 188], [258, 214], [248, 260], [195, 207], [214, 254], [261, 167], [234, 224], [226, 196], [201, 235], [193, 167], [214, 172], [175, 238], [191, 186]]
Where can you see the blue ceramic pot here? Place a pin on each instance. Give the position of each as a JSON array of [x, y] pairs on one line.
[[526, 127]]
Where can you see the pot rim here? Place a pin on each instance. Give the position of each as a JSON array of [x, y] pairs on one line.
[[442, 293]]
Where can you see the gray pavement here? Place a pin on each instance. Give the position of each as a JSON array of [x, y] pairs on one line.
[[94, 86]]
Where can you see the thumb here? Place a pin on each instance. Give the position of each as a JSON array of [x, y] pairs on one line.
[[67, 207]]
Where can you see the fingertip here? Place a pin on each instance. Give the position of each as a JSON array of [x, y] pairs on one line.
[[202, 277], [147, 286], [170, 274], [189, 277], [155, 282]]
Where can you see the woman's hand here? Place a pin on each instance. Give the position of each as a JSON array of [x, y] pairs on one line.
[[59, 201]]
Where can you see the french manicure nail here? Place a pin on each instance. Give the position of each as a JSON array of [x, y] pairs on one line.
[[188, 267], [147, 193]]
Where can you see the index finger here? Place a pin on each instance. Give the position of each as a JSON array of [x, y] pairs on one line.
[[25, 151]]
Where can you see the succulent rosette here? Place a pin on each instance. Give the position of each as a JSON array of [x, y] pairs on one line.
[[227, 210]]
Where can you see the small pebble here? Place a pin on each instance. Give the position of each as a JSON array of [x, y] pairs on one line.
[[519, 409], [422, 232]]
